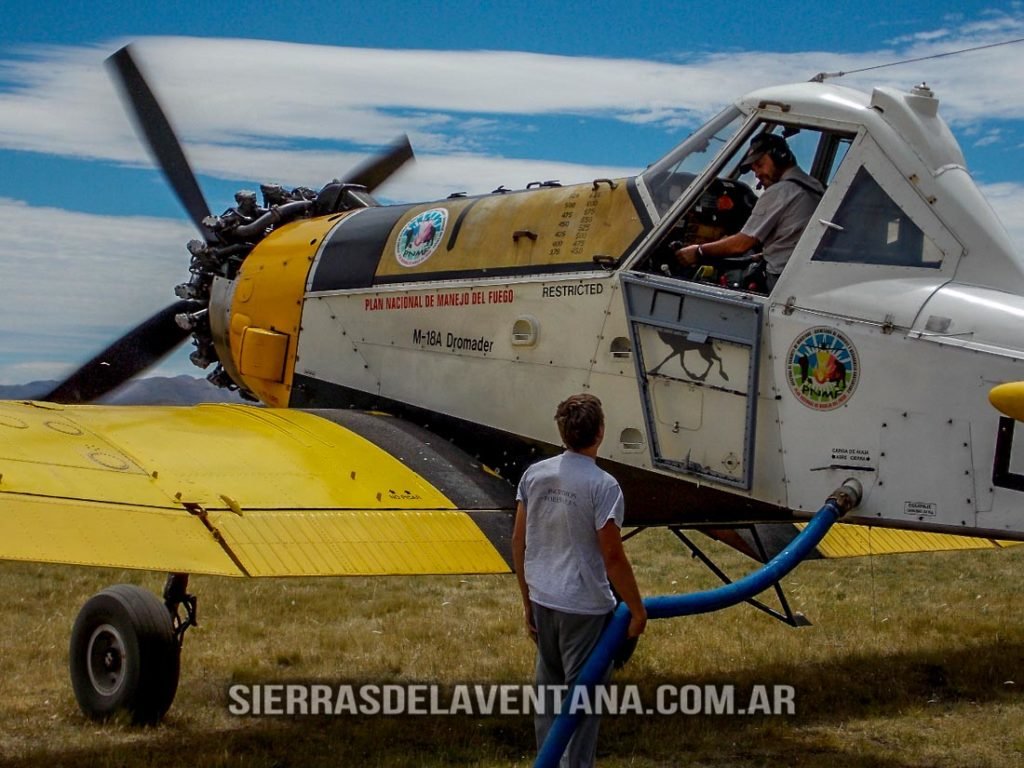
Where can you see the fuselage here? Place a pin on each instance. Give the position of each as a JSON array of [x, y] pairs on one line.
[[900, 308]]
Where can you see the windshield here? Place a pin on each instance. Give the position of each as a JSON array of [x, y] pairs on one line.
[[668, 178]]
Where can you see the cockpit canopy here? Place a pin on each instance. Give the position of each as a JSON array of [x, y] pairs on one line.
[[897, 192]]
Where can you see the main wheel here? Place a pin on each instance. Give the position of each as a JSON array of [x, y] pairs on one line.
[[124, 656]]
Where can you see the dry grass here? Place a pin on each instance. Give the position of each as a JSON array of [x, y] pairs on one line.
[[913, 661]]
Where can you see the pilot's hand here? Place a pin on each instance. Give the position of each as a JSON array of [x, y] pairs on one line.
[[687, 256]]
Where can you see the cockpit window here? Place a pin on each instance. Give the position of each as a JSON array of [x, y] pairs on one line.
[[668, 178], [870, 228], [720, 209]]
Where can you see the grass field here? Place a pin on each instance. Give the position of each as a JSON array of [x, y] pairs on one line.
[[913, 660]]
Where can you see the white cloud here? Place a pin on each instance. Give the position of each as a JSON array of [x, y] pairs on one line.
[[70, 282], [1007, 200], [23, 373], [991, 137], [302, 114], [430, 177], [223, 95]]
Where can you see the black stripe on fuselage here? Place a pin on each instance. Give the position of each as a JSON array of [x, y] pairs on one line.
[[353, 249], [484, 272], [457, 227]]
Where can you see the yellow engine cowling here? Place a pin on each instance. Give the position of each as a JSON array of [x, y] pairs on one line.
[[258, 329]]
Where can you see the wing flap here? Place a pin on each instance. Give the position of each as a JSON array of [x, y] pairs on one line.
[[859, 540], [47, 530], [357, 542]]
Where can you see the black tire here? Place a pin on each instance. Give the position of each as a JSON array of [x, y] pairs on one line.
[[124, 656]]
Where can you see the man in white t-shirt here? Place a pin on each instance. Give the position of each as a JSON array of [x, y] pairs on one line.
[[566, 547], [780, 215]]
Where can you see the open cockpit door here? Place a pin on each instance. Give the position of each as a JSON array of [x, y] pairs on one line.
[[697, 360]]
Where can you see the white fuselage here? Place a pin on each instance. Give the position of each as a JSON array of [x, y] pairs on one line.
[[872, 366]]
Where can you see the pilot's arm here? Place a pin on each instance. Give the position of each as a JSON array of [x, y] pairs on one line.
[[733, 245]]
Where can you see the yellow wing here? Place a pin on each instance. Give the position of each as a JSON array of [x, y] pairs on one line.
[[858, 540], [244, 491], [849, 541]]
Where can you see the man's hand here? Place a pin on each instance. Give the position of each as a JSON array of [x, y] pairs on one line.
[[519, 560], [637, 625], [531, 627], [733, 245], [687, 256]]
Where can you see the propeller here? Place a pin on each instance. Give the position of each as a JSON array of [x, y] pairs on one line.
[[375, 171], [143, 346], [151, 121], [157, 336]]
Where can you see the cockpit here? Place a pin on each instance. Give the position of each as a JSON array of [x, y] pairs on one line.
[[704, 193]]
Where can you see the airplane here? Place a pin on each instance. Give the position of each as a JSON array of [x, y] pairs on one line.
[[408, 360]]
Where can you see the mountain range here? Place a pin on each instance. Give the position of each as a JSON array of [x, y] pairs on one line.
[[154, 390]]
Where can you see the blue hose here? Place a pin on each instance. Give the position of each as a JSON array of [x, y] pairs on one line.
[[668, 606]]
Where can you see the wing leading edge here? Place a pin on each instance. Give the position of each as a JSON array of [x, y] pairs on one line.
[[244, 491]]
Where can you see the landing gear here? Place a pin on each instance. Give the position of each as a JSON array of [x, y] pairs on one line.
[[125, 651], [784, 613]]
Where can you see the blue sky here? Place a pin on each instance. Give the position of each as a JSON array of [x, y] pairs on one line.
[[490, 94]]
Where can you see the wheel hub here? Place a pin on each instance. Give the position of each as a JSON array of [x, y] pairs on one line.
[[105, 662]]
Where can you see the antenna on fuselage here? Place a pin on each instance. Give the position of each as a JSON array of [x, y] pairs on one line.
[[823, 76]]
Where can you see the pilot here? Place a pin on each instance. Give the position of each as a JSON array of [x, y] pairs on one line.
[[779, 216]]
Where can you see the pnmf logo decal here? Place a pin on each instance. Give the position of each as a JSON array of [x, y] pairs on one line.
[[823, 368], [420, 237]]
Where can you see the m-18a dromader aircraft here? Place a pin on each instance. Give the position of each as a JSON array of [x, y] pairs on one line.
[[887, 352]]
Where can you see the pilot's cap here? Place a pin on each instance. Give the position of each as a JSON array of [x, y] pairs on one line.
[[762, 144]]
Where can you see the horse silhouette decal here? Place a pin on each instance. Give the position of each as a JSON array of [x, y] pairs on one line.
[[680, 345]]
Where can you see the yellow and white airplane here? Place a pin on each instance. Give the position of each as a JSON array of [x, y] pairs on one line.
[[879, 355]]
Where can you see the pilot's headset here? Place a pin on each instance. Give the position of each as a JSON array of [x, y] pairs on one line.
[[768, 144]]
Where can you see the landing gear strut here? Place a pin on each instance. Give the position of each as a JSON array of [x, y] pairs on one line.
[[126, 648], [783, 613]]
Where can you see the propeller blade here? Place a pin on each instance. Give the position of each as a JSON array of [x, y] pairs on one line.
[[137, 350], [374, 172], [151, 121]]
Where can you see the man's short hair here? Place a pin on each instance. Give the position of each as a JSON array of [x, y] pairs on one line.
[[579, 420]]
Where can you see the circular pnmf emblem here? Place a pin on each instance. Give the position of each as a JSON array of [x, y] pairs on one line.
[[420, 237], [823, 368]]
